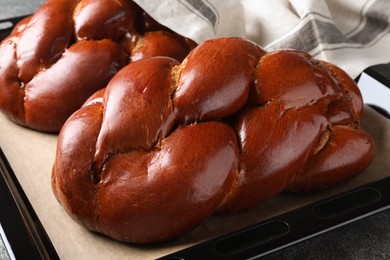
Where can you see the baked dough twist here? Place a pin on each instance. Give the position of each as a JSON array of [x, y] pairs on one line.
[[168, 144], [55, 59]]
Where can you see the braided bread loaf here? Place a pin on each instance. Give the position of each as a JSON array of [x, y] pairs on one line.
[[168, 144], [54, 60]]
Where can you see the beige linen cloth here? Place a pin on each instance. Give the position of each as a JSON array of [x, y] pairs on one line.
[[352, 34]]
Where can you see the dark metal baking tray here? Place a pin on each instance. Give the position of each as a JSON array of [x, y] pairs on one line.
[[22, 227]]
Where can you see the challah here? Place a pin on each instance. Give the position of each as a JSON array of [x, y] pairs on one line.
[[167, 144], [55, 59]]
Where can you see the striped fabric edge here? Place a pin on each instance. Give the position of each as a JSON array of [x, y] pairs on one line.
[[204, 10], [317, 32]]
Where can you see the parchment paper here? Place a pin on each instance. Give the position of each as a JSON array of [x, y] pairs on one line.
[[31, 155]]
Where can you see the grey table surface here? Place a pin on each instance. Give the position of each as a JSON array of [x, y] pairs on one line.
[[368, 238]]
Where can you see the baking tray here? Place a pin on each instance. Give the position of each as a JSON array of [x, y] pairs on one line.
[[37, 227], [23, 230]]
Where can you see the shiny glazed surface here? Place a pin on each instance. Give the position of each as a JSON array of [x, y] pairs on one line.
[[168, 144], [57, 58]]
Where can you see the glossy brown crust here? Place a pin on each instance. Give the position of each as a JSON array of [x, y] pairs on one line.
[[55, 59], [61, 83], [221, 88], [168, 144]]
